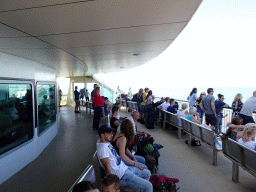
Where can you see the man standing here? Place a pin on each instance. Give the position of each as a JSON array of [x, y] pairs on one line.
[[77, 101], [208, 106], [143, 103], [247, 109], [112, 163], [82, 92], [92, 93]]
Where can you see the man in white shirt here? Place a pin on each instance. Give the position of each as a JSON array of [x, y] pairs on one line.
[[248, 107], [165, 105], [133, 118], [113, 164]]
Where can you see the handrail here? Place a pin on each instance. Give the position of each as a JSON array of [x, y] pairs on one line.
[[240, 155], [88, 169]]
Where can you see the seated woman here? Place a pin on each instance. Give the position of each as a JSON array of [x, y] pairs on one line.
[[248, 137], [114, 120], [193, 115], [234, 131], [182, 112], [121, 141]]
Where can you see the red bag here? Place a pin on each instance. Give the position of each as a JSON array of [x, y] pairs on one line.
[[163, 183]]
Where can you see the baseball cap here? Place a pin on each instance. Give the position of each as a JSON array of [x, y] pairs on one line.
[[105, 128]]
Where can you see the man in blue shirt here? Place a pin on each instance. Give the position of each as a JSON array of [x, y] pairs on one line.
[[171, 107], [76, 93], [219, 104]]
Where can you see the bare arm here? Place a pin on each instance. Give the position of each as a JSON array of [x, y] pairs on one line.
[[213, 108], [129, 154], [106, 163], [196, 120], [122, 152], [201, 106], [232, 126]]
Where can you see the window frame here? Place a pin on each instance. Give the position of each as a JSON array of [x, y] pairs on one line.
[[36, 95], [29, 82]]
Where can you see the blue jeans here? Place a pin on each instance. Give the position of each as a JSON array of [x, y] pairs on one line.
[[140, 161], [136, 178], [201, 113]]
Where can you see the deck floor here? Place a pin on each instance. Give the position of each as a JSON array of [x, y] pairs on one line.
[[61, 163]]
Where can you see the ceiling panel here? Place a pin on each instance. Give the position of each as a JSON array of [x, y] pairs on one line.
[[7, 5], [115, 36], [98, 15], [119, 47], [84, 38], [23, 42], [6, 31]]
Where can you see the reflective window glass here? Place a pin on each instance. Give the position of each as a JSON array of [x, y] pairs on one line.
[[46, 105], [16, 115]]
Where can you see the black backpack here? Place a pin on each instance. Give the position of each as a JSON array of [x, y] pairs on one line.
[[140, 98]]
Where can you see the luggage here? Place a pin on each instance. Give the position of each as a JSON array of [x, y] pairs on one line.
[[161, 183], [150, 120], [150, 162]]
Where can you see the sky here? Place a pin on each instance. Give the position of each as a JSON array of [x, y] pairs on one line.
[[216, 49]]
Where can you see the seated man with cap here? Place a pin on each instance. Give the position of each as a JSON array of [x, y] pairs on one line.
[[113, 164]]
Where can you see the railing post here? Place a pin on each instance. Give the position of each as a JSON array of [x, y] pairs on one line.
[[189, 139], [179, 132], [235, 172], [164, 119], [215, 156]]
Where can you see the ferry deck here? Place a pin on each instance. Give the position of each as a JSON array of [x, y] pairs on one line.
[[46, 148], [71, 151]]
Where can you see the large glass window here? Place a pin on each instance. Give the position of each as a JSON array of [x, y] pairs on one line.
[[16, 115], [46, 105]]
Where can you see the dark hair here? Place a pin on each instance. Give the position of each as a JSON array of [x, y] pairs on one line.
[[146, 89], [209, 90], [114, 109], [193, 91], [236, 121], [111, 179], [149, 94], [75, 87], [84, 186], [171, 100], [128, 131], [219, 95], [167, 98]]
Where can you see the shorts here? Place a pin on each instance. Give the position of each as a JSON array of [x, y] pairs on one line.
[[77, 102], [211, 119]]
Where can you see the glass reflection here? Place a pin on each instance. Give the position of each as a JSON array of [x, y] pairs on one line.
[[46, 106]]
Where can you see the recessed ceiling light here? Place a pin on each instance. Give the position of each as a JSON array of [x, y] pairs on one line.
[[136, 54]]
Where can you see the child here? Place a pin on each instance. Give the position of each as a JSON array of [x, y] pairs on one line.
[[110, 183], [248, 136], [234, 127], [222, 117]]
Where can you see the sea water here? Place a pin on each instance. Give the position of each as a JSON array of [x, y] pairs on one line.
[[181, 93]]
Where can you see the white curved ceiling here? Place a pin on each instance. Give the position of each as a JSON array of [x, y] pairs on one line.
[[80, 38]]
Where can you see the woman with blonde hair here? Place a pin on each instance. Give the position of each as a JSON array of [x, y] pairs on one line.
[[121, 141], [237, 104], [248, 137]]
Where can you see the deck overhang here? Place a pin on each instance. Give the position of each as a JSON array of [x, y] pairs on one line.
[[81, 38]]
